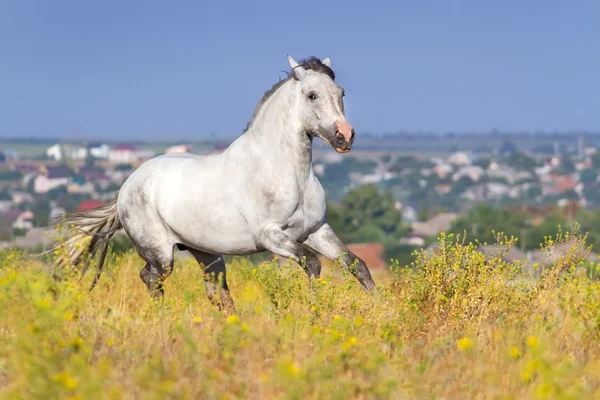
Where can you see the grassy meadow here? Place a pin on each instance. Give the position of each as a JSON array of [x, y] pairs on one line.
[[454, 325]]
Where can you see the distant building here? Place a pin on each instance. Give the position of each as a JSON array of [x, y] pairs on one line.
[[474, 172], [18, 219], [43, 184], [123, 154], [57, 171], [55, 152], [51, 178], [409, 214], [442, 170], [373, 178], [556, 161], [11, 154], [489, 191], [127, 154], [443, 188], [90, 204], [24, 220], [5, 205], [434, 226], [21, 197], [460, 158], [99, 150], [35, 237], [370, 253], [584, 164], [80, 185], [88, 169], [180, 148], [26, 167], [561, 184], [98, 178], [60, 152], [590, 151], [414, 241]]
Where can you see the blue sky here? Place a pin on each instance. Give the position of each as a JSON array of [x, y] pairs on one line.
[[193, 68]]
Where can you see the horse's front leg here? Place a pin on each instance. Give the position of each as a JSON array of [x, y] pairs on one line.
[[275, 240], [324, 241]]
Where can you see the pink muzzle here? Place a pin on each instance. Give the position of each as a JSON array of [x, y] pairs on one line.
[[344, 136]]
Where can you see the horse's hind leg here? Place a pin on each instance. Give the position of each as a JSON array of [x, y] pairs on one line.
[[215, 280], [159, 265]]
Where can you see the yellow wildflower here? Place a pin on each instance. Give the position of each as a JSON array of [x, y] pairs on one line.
[[464, 344], [544, 390], [293, 369], [167, 385], [532, 342], [526, 376], [70, 383], [515, 352], [44, 304], [351, 342]]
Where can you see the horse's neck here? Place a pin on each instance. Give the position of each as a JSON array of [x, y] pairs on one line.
[[279, 134]]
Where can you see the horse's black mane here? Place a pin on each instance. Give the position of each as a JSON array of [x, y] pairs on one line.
[[313, 63]]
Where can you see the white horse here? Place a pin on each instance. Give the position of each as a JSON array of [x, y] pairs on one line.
[[260, 194]]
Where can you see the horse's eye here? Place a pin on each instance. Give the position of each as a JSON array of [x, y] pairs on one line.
[[343, 93], [312, 96]]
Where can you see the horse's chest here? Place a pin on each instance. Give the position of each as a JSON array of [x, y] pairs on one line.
[[304, 217], [308, 214]]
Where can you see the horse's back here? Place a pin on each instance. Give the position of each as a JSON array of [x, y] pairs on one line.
[[169, 175], [193, 198]]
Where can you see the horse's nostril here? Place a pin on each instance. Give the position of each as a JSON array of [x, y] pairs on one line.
[[352, 136], [339, 137]]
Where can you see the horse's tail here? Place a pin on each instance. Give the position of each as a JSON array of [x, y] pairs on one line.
[[87, 232]]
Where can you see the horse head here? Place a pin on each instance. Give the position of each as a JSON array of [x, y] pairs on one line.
[[321, 104]]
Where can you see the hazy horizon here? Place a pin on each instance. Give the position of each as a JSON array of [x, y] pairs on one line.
[[188, 70]]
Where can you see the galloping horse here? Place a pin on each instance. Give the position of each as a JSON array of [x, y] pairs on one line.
[[260, 194]]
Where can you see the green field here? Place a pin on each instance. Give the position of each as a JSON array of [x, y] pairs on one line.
[[454, 326]]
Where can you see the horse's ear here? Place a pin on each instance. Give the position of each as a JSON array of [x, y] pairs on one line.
[[297, 69], [327, 62]]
